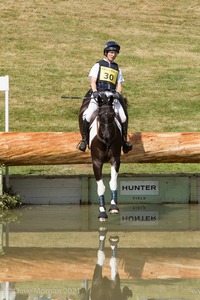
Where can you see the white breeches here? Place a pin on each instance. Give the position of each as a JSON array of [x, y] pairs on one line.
[[93, 106]]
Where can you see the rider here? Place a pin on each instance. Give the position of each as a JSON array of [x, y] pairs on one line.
[[106, 75]]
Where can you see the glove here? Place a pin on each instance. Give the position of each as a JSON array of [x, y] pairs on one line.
[[96, 96]]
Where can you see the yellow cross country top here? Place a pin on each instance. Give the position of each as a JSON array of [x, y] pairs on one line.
[[108, 74]]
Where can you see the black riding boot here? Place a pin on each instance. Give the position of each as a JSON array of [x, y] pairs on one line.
[[125, 145], [83, 144]]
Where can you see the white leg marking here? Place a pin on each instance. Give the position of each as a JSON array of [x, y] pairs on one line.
[[100, 257], [113, 180], [113, 265], [100, 188], [112, 202]]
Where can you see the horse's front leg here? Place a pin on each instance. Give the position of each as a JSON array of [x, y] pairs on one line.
[[97, 167], [113, 186], [113, 261], [102, 238], [97, 280]]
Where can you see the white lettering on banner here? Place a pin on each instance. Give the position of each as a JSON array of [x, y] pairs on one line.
[[139, 188], [138, 218]]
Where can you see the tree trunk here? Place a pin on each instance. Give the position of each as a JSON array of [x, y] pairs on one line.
[[54, 148]]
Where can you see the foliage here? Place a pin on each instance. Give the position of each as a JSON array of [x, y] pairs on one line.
[[10, 200], [8, 216]]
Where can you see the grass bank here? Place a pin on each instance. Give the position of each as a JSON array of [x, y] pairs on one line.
[[48, 47]]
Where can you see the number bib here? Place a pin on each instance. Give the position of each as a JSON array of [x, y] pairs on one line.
[[108, 74]]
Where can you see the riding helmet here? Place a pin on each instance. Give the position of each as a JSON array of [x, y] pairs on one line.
[[111, 46]]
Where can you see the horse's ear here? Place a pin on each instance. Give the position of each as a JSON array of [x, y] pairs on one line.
[[83, 294]]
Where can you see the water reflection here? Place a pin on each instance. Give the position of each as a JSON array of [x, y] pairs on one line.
[[60, 253], [102, 287]]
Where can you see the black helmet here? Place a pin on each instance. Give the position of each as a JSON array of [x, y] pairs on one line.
[[111, 46]]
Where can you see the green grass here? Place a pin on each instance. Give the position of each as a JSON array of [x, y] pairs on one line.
[[48, 48]]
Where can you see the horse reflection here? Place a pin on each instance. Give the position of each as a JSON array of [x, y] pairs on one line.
[[102, 287]]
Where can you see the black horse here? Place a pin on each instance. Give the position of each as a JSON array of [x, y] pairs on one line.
[[105, 142]]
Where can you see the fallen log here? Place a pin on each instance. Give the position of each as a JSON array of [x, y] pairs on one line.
[[79, 263], [54, 148]]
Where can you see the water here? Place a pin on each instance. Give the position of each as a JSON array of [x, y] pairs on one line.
[[51, 252]]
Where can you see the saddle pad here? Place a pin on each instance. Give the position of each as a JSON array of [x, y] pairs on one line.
[[93, 131]]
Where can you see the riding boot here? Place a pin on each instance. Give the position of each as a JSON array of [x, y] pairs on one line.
[[125, 145], [83, 144]]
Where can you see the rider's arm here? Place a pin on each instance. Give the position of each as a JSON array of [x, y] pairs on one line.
[[93, 77], [93, 82], [120, 80], [119, 87]]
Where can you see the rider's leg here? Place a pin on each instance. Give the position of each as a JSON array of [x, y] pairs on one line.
[[126, 146], [83, 144], [87, 115], [120, 111]]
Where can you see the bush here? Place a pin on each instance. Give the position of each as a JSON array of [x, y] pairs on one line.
[[10, 200]]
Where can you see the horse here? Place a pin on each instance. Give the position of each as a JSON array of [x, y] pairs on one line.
[[102, 287], [105, 142]]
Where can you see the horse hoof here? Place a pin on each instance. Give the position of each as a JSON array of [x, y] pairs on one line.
[[103, 217], [114, 240], [113, 209]]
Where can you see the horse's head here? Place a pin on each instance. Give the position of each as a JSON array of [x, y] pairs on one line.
[[106, 109], [106, 117], [105, 98]]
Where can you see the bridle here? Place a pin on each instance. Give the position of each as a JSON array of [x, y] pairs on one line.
[[106, 125]]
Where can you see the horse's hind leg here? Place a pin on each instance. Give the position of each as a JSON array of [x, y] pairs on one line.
[[113, 186]]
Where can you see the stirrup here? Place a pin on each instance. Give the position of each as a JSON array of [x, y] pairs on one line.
[[82, 145], [127, 147]]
